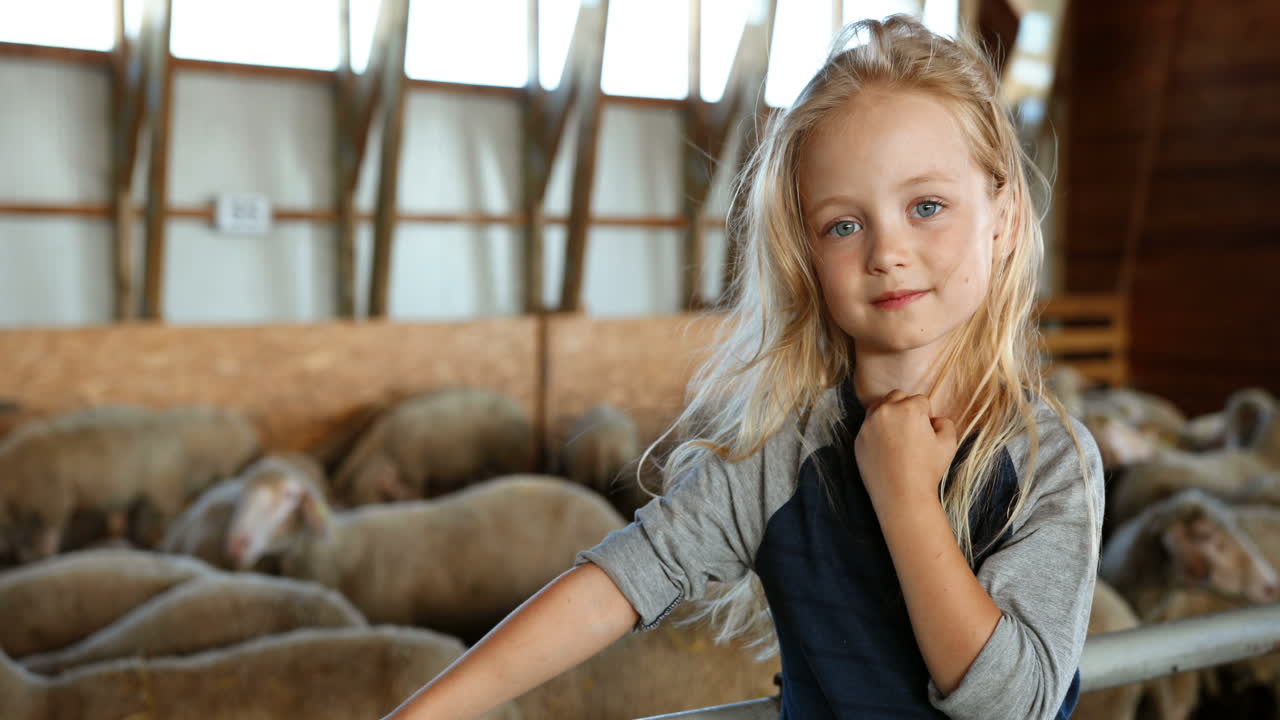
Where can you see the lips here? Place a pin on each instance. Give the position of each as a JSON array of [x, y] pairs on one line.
[[894, 295], [897, 299]]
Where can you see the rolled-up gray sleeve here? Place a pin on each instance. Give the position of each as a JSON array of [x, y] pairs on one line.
[[1042, 579], [707, 527]]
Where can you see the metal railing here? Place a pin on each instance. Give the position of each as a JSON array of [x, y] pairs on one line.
[[1115, 658]]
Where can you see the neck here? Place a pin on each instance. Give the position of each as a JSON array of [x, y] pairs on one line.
[[876, 374]]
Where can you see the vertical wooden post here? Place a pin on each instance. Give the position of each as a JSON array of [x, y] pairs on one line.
[[536, 167], [584, 166], [384, 223], [546, 115], [345, 166], [126, 115], [159, 104], [697, 172]]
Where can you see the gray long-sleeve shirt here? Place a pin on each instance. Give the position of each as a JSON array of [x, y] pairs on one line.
[[847, 648]]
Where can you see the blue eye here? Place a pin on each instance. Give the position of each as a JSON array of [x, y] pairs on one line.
[[845, 228], [928, 208]]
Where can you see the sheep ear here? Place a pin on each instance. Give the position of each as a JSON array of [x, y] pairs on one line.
[[1188, 541], [391, 486], [315, 511]]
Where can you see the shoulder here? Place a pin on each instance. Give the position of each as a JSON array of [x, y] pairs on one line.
[[1057, 456]]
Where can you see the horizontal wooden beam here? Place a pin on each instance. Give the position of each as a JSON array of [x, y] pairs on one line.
[[1085, 340], [1068, 307], [250, 70], [326, 216], [97, 58]]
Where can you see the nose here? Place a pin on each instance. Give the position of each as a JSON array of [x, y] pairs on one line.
[[1271, 592], [888, 249]]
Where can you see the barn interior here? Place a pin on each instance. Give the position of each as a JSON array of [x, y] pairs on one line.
[[264, 263]]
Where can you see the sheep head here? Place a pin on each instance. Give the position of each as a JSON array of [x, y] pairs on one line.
[[277, 503], [1209, 550]]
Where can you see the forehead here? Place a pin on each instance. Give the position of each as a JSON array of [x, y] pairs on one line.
[[880, 139]]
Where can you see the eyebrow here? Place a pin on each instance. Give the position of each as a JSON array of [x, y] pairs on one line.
[[926, 178], [916, 180]]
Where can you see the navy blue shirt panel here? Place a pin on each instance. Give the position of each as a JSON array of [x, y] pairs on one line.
[[848, 650]]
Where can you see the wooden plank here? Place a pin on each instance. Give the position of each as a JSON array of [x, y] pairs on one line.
[[1066, 307], [159, 109], [393, 95], [249, 70], [1147, 155], [300, 382], [584, 167], [26, 51], [1085, 340]]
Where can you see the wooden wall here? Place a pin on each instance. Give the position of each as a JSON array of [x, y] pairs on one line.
[[1174, 108]]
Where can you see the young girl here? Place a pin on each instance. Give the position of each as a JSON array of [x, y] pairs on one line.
[[872, 439]]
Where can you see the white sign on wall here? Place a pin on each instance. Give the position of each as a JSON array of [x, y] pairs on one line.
[[245, 213]]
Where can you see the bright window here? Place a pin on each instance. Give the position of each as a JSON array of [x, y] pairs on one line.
[[646, 49], [855, 10], [82, 24], [722, 25], [288, 33], [556, 19], [802, 35], [942, 16], [481, 42]]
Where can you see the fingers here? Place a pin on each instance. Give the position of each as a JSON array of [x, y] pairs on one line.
[[896, 396], [945, 428]]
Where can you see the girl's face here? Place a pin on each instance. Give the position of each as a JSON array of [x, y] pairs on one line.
[[893, 202]]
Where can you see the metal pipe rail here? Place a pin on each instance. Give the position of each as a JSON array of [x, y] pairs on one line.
[[1115, 658]]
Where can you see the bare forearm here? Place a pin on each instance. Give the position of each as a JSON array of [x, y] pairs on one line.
[[951, 613], [572, 618]]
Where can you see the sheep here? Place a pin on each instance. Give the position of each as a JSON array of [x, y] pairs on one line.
[[52, 603], [1142, 410], [676, 666], [603, 452], [434, 443], [1175, 697], [206, 613], [1068, 385], [1231, 473], [1121, 444], [458, 563], [1110, 613], [116, 460], [311, 673], [1188, 540], [201, 529]]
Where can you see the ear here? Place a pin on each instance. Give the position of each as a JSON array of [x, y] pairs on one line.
[[1001, 237], [315, 511], [391, 484], [1189, 541]]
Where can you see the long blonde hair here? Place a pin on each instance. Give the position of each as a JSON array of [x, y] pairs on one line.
[[779, 350]]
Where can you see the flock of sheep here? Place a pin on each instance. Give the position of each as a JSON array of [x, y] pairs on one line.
[[168, 567], [165, 565], [1192, 527]]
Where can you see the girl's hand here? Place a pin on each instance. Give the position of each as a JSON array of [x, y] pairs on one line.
[[902, 451]]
